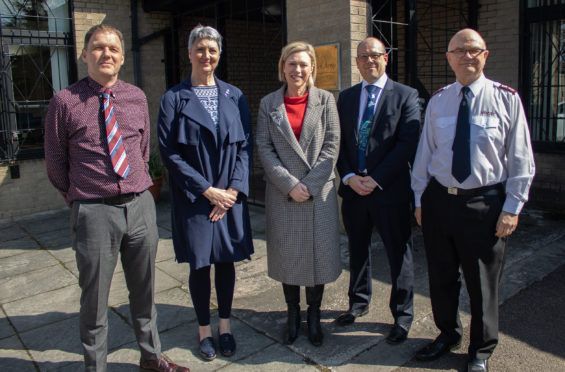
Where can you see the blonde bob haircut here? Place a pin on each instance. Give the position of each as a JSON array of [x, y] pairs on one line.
[[298, 46]]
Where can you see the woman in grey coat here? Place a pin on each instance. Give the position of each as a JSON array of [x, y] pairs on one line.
[[298, 143]]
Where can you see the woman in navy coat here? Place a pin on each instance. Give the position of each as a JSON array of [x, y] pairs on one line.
[[205, 142]]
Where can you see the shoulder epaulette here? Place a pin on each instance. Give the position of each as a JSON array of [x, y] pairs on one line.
[[437, 91], [507, 88]]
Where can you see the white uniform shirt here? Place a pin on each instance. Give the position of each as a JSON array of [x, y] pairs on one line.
[[500, 142]]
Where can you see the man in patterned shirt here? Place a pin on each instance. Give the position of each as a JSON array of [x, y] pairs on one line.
[[111, 210]]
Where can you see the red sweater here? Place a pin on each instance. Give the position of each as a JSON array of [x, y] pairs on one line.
[[295, 110]]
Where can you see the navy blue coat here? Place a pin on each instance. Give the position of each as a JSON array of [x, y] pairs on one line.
[[198, 156]]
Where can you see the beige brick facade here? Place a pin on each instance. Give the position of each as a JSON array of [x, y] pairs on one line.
[[325, 22]]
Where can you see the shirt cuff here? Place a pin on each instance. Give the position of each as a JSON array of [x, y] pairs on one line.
[[346, 177], [512, 205], [417, 199], [379, 186]]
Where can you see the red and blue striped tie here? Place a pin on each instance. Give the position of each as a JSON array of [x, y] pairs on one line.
[[114, 137]]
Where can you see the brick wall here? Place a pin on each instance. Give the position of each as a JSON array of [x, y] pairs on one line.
[[118, 14], [333, 21], [499, 24], [30, 193]]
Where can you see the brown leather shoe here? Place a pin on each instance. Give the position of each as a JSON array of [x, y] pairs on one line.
[[161, 365]]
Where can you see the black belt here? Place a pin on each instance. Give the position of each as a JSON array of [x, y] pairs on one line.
[[495, 189], [116, 200]]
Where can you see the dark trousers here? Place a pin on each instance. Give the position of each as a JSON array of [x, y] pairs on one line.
[[314, 295], [200, 288], [100, 233], [459, 236], [392, 221]]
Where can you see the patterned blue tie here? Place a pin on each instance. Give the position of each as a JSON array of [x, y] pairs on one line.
[[365, 128], [461, 164]]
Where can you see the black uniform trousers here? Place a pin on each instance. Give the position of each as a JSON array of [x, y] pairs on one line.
[[459, 235], [360, 215]]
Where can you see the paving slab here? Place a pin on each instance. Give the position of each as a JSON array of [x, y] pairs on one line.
[[26, 262], [174, 308], [58, 243], [6, 329], [13, 357], [165, 250], [119, 292], [17, 246], [44, 308], [274, 357], [41, 222], [178, 272], [35, 282], [10, 231], [58, 344]]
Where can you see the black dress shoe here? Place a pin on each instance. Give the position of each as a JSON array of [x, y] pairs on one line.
[[208, 349], [227, 344], [350, 316], [477, 365], [436, 349], [397, 335]]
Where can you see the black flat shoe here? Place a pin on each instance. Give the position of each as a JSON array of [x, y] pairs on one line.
[[477, 365], [397, 335], [436, 349], [208, 349], [350, 316], [227, 344]]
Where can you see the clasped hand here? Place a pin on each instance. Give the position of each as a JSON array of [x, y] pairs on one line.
[[300, 193], [362, 185], [221, 199]]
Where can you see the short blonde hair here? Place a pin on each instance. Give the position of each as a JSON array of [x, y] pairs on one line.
[[298, 46]]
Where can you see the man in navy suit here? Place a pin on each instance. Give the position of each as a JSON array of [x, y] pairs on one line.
[[380, 123]]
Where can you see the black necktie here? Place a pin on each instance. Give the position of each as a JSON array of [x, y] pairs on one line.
[[461, 165]]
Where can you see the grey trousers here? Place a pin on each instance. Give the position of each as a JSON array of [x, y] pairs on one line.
[[99, 233]]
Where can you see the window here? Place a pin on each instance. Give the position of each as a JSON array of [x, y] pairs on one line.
[[37, 47], [543, 72]]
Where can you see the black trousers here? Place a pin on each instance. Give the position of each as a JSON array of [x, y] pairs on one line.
[[200, 287], [392, 221], [459, 236]]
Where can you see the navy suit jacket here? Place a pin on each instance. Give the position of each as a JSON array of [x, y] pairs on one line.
[[392, 141]]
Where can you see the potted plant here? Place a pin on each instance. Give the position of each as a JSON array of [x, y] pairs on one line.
[[156, 171]]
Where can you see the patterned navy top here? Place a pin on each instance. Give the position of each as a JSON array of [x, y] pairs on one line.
[[208, 96]]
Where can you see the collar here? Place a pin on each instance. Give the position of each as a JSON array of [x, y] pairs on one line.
[[380, 83], [475, 87], [99, 89]]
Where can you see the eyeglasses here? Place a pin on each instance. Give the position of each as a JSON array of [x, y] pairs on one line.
[[365, 57], [460, 52]]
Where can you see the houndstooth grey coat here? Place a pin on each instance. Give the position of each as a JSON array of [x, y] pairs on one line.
[[302, 238]]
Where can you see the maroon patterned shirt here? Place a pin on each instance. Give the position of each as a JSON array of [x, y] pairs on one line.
[[76, 150]]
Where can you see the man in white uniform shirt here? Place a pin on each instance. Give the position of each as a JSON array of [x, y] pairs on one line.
[[471, 177]]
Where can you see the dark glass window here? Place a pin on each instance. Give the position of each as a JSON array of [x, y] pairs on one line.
[[35, 62], [543, 71]]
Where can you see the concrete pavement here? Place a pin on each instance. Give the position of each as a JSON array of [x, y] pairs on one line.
[[39, 297]]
